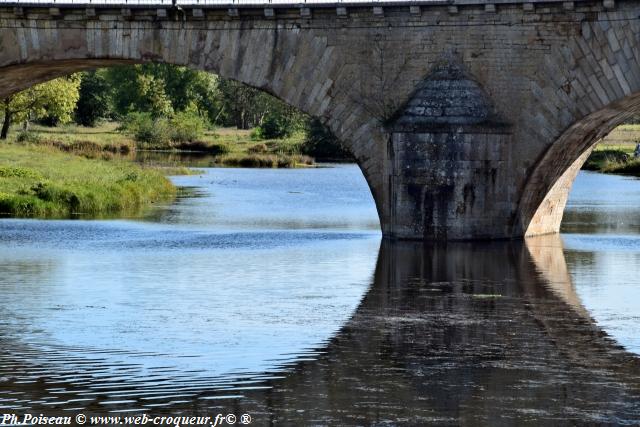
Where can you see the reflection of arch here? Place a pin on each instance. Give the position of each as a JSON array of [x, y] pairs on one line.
[[548, 187], [463, 334], [547, 255]]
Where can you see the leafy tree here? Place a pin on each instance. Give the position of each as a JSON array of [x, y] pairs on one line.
[[274, 126], [246, 107], [56, 98], [154, 132], [135, 90], [96, 98], [162, 89], [240, 105], [187, 126]]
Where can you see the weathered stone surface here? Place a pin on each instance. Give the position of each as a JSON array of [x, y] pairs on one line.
[[447, 96], [467, 120]]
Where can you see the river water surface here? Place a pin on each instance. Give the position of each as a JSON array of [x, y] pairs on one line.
[[271, 293]]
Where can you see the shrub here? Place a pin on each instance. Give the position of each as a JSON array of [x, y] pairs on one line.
[[631, 167], [600, 158], [273, 127], [258, 148], [264, 160], [144, 128], [79, 146], [26, 136], [186, 126], [118, 148], [214, 148]]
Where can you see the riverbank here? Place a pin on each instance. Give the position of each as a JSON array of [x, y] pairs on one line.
[[231, 147], [43, 181], [614, 153]]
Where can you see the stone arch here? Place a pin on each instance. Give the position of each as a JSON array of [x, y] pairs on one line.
[[546, 192], [304, 69], [553, 72], [581, 90]]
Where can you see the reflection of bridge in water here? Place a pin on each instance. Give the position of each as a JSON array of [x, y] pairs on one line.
[[467, 334]]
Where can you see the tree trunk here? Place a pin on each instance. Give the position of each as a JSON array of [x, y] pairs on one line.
[[243, 119], [7, 120]]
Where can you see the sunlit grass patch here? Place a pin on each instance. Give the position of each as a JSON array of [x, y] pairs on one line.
[[41, 181]]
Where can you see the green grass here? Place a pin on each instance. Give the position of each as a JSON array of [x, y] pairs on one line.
[[614, 153], [42, 181], [232, 147], [622, 138], [244, 151], [631, 167], [104, 134], [602, 157]]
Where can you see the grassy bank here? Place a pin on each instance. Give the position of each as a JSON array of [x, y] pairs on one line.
[[614, 153], [613, 161], [43, 181], [232, 147]]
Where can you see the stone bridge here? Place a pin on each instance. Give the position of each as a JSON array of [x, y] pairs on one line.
[[468, 119]]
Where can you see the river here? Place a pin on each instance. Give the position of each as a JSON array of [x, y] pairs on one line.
[[271, 293]]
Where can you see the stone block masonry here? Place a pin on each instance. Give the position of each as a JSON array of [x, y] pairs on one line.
[[468, 119]]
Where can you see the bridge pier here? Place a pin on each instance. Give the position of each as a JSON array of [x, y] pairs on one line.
[[449, 175]]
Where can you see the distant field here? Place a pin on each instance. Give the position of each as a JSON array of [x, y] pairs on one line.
[[622, 138], [232, 147]]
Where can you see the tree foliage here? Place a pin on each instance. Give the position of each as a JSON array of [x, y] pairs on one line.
[[96, 96], [56, 98], [161, 90], [157, 103]]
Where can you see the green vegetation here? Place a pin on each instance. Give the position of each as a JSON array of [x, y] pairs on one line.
[[265, 160], [602, 159], [628, 168], [322, 144], [232, 147], [99, 142], [614, 154], [163, 107], [53, 102], [45, 182], [53, 167]]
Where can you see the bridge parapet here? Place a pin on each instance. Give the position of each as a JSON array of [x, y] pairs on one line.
[[197, 9]]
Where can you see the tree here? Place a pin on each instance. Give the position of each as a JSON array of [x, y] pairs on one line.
[[56, 98], [162, 89], [96, 98]]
